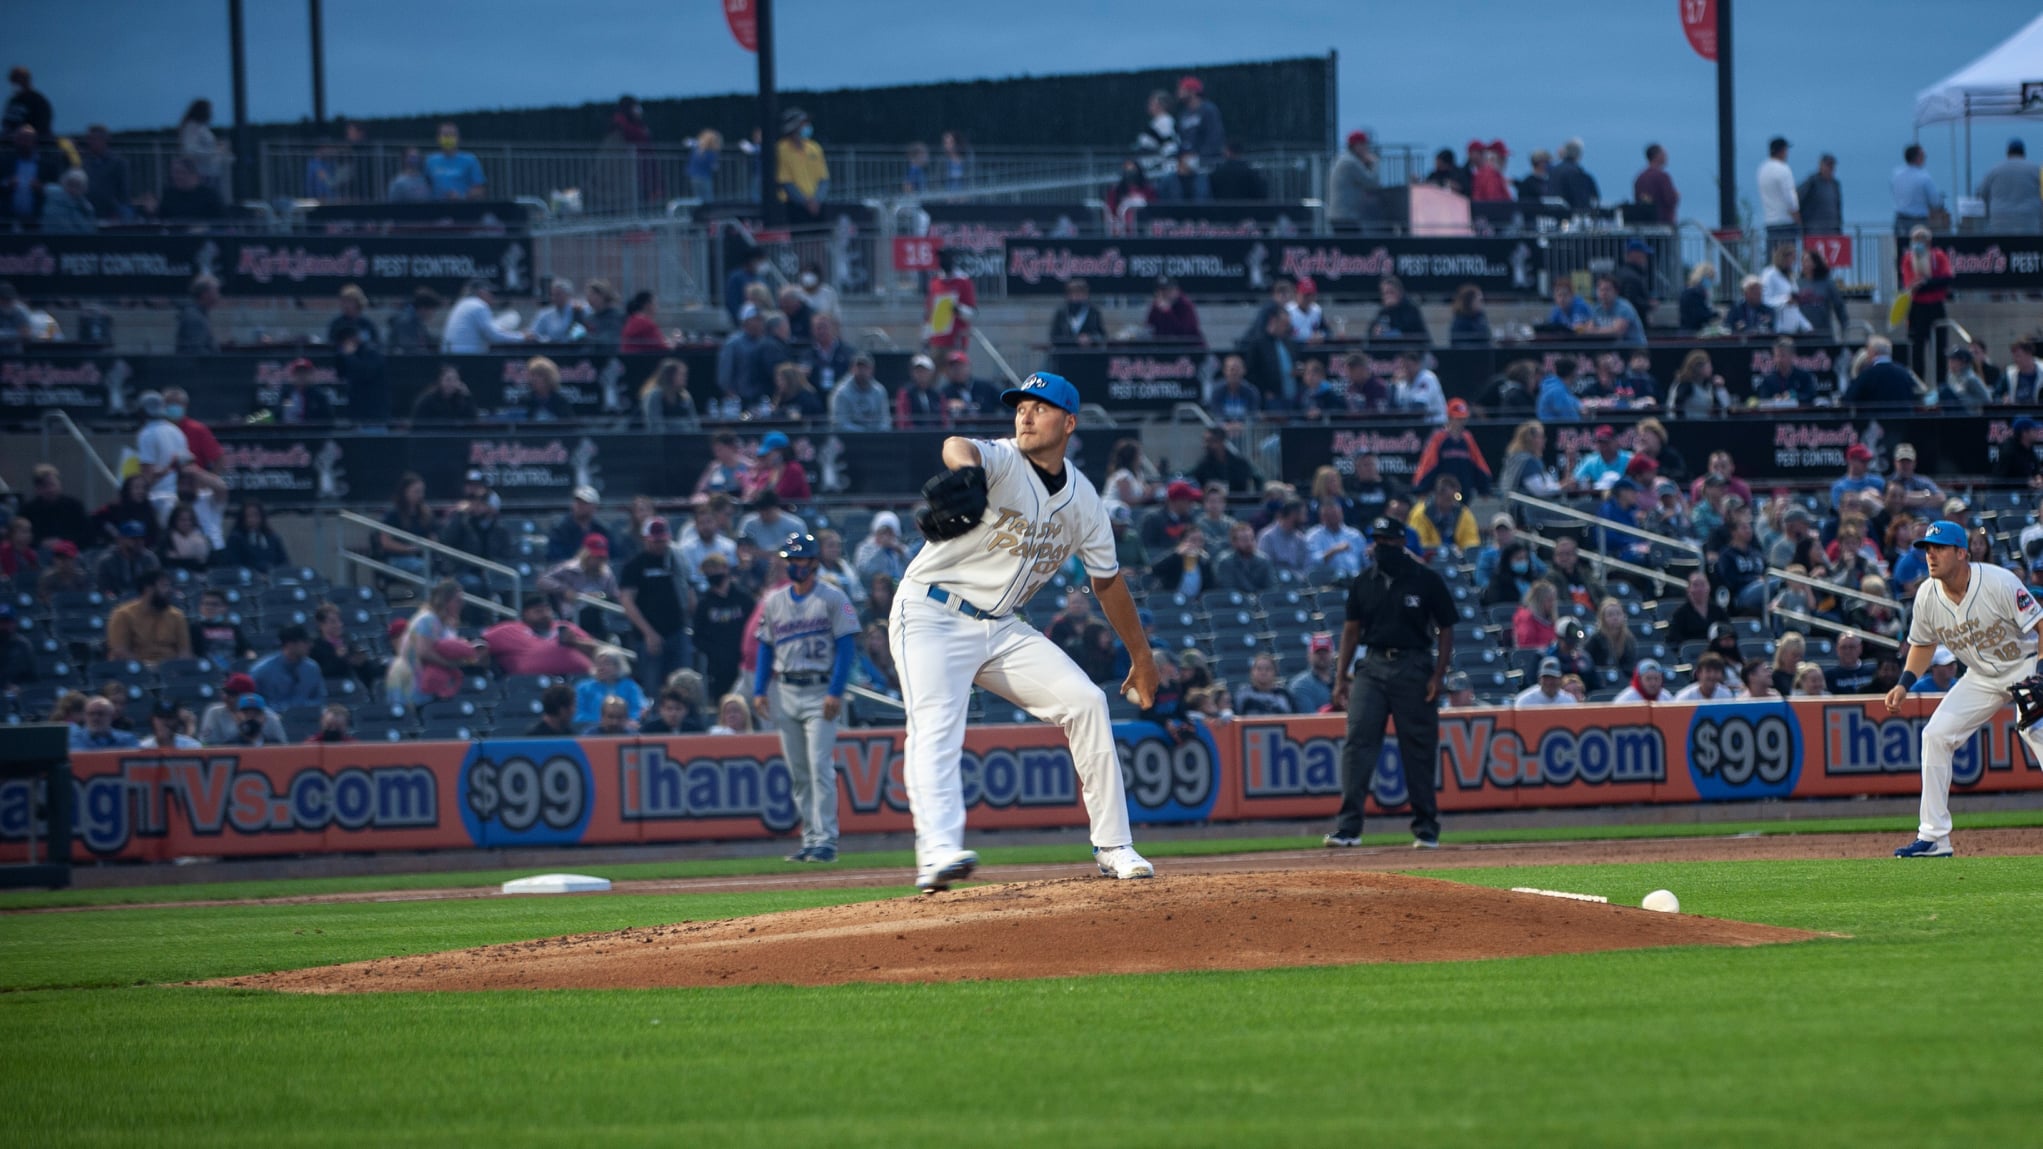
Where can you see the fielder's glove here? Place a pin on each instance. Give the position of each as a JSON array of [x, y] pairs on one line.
[[2028, 695], [956, 502]]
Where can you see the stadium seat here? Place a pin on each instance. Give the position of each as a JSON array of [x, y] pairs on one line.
[[231, 578], [127, 670], [301, 722], [449, 710]]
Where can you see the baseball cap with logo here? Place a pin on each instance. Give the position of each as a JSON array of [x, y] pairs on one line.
[[1322, 641], [1943, 533], [1904, 451], [596, 544], [1457, 408], [1456, 680], [1055, 390], [1179, 490], [1386, 530], [1860, 452], [655, 528], [1549, 668]]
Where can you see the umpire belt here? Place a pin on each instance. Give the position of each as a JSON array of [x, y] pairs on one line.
[[1393, 653], [804, 679], [953, 601]]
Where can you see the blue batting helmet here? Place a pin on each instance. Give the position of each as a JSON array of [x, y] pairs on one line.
[[800, 546]]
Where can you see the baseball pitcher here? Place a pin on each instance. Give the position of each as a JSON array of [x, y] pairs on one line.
[[1000, 522], [807, 642], [1985, 616]]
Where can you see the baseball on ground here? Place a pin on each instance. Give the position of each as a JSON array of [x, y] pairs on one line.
[[1662, 901]]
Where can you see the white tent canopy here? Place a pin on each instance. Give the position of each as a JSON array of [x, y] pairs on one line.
[[2007, 81]]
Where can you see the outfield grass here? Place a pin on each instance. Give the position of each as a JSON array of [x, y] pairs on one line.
[[904, 860], [1920, 1029]]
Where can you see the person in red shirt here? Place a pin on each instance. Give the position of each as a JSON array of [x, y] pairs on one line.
[[951, 303], [1722, 466], [641, 334], [777, 471], [1655, 188], [1486, 183], [1452, 451], [1172, 318], [537, 642], [206, 450], [1926, 276]]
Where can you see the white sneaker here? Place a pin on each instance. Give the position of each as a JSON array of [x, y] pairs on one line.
[[1122, 862], [935, 878]]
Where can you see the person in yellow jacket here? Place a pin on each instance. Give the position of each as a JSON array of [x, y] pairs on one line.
[[1444, 518], [804, 176]]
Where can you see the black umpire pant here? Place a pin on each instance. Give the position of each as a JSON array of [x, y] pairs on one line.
[[1391, 684]]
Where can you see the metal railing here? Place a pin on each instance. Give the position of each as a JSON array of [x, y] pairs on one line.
[[1836, 588], [1814, 622], [377, 526], [422, 581], [615, 177], [1562, 509], [1605, 562], [63, 422]]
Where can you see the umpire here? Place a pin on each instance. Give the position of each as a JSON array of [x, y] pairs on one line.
[[1402, 613]]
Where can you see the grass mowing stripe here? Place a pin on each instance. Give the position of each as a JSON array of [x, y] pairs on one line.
[[86, 950], [992, 856], [1906, 1027]]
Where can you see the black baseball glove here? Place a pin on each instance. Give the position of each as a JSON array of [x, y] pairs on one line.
[[2028, 700], [956, 502]]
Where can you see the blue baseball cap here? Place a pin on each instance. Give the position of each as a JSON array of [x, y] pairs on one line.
[[772, 441], [1943, 533], [1055, 390], [252, 702], [133, 530]]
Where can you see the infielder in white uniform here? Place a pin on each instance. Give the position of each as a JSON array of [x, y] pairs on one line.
[[807, 641], [1000, 523], [1985, 616]]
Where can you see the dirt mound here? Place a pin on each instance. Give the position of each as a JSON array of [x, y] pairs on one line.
[[1063, 928]]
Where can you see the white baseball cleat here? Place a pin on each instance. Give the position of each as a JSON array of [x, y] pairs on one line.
[[936, 878], [1122, 862]]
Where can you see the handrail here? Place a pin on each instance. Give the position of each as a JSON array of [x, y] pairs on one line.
[[388, 571], [1840, 628], [979, 337], [1664, 578], [63, 418], [423, 543], [1571, 512], [873, 695], [1836, 588]]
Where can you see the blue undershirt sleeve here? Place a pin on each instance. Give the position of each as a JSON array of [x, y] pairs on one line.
[[764, 673], [840, 671]]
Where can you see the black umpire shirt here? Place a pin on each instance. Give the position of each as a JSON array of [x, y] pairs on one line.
[[1401, 611]]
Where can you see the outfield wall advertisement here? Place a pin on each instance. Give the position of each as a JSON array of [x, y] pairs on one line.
[[222, 802]]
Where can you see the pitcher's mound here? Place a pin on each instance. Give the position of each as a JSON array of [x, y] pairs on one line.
[[1065, 928]]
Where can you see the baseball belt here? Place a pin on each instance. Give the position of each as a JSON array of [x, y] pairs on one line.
[[957, 603], [805, 679]]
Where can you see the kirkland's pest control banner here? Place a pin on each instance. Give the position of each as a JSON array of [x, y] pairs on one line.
[[164, 265], [224, 802]]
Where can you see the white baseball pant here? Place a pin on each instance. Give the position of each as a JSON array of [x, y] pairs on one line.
[[808, 742], [1970, 704], [938, 654]]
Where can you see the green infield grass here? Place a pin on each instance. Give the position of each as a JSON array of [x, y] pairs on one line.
[[904, 860], [1921, 1027]]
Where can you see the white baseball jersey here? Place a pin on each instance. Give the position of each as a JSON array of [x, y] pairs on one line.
[[1027, 534], [804, 632], [1988, 629]]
